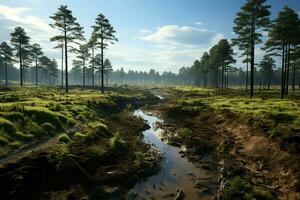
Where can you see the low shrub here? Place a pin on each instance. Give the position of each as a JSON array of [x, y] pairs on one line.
[[100, 129], [184, 132], [12, 116], [42, 115], [236, 188], [3, 140], [262, 195], [140, 159], [64, 138], [15, 144], [7, 126], [48, 128], [96, 151], [34, 129], [21, 136], [117, 143], [280, 117], [79, 135]]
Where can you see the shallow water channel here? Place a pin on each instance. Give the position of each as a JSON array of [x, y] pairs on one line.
[[176, 172]]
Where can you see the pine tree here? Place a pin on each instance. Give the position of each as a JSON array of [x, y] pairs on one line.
[[266, 66], [36, 51], [253, 17], [283, 36], [6, 52], [20, 43], [92, 44], [70, 29], [225, 58], [204, 67], [83, 55], [105, 35], [107, 69]]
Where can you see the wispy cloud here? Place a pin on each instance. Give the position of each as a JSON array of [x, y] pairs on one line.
[[38, 29], [181, 35], [198, 23]]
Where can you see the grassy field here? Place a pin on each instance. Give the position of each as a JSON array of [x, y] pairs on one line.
[[31, 113], [282, 115]]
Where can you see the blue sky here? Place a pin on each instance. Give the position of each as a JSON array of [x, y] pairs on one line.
[[159, 34]]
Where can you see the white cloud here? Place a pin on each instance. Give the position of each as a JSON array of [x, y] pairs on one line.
[[145, 31], [181, 35], [198, 23], [37, 29]]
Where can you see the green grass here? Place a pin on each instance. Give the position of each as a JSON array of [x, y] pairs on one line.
[[117, 142], [30, 113], [282, 116], [64, 138]]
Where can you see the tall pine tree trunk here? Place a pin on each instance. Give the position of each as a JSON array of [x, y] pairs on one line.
[[6, 78], [102, 67], [66, 62], [252, 58], [21, 67], [294, 75], [83, 73], [93, 66], [288, 70], [36, 71], [247, 72], [282, 70], [62, 64]]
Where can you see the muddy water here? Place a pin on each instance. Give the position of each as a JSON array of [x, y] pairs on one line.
[[176, 173]]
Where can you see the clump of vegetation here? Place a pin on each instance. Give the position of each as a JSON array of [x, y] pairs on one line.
[[184, 132], [62, 158], [96, 151], [64, 138], [236, 188], [3, 140], [7, 126], [117, 142], [48, 128], [43, 115], [140, 160]]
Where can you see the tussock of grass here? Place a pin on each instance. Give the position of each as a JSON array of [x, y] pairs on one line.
[[7, 126], [64, 138], [42, 115], [3, 140], [117, 143], [96, 151], [48, 128]]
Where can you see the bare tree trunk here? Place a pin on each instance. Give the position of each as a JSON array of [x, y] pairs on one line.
[[252, 58], [36, 71], [66, 62], [62, 64], [83, 73], [93, 66], [247, 72], [294, 75], [282, 70], [21, 67], [6, 78], [102, 67], [288, 70]]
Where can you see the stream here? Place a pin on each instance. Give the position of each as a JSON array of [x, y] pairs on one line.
[[176, 172]]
